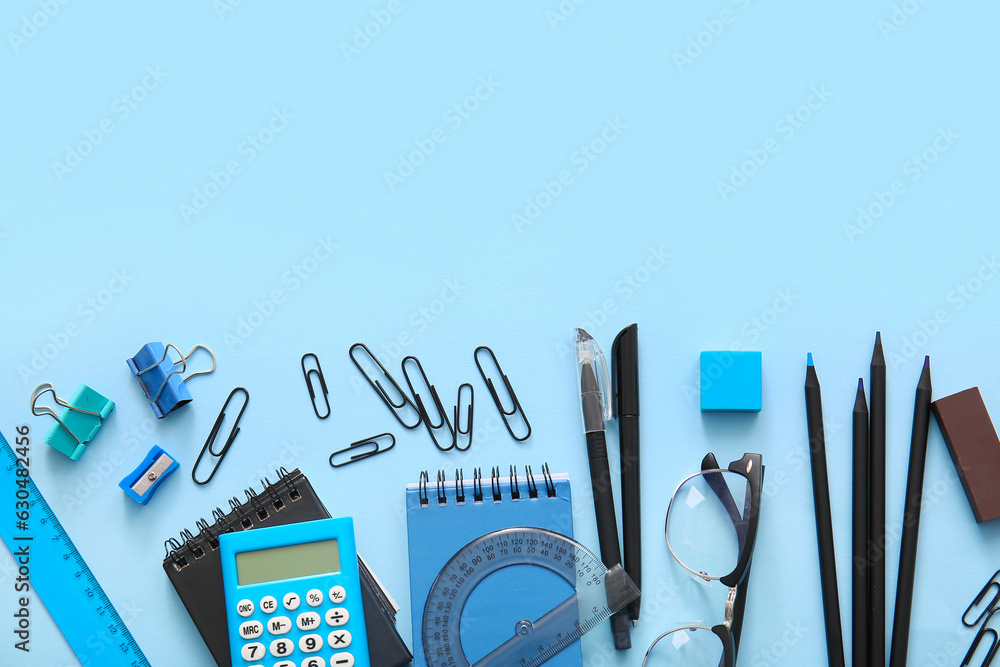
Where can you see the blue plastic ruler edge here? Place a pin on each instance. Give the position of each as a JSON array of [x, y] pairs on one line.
[[61, 577]]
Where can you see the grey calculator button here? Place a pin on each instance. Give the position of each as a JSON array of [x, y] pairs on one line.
[[341, 660], [339, 639]]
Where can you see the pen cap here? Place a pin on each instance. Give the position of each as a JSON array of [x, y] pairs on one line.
[[594, 382], [625, 381]]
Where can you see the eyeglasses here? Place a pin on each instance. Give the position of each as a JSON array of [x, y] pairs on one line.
[[710, 529]]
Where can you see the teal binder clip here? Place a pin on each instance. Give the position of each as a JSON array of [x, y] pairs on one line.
[[78, 423], [160, 378], [140, 484]]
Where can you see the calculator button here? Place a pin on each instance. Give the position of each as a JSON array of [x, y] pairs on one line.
[[291, 601], [314, 598], [315, 661], [251, 630], [268, 604], [339, 639], [341, 660], [282, 647], [252, 651], [285, 663], [307, 620], [337, 616], [338, 595], [279, 625], [244, 608], [310, 643]]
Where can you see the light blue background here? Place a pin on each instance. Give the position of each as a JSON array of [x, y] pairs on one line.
[[778, 241]]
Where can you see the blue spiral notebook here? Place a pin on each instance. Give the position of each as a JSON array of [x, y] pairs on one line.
[[443, 516]]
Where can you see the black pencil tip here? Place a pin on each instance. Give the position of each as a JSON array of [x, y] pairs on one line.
[[878, 356]]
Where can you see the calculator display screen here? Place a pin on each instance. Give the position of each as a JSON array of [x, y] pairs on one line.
[[297, 560]]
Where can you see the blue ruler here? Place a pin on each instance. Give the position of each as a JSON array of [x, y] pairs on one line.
[[60, 576]]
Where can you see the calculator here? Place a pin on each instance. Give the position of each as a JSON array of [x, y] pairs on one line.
[[293, 596]]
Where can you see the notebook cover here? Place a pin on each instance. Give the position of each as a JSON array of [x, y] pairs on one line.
[[199, 584], [436, 532]]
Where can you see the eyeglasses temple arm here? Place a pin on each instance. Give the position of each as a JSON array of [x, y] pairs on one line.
[[718, 484], [738, 607]]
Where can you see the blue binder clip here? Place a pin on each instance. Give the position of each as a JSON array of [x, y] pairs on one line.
[[160, 378], [140, 484], [78, 423]]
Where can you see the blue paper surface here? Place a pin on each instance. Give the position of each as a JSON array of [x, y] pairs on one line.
[[272, 179]]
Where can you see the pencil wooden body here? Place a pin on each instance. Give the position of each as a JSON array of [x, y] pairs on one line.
[[860, 563], [876, 509], [824, 521], [911, 521]]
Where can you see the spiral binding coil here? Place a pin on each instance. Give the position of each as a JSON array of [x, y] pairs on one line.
[[496, 485], [189, 546]]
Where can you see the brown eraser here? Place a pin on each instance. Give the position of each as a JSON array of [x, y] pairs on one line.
[[975, 449]]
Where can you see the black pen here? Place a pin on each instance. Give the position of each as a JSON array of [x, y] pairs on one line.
[[626, 408], [595, 406]]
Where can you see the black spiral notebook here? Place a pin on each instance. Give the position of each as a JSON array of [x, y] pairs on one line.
[[195, 569]]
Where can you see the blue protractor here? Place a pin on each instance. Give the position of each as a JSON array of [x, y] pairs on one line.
[[61, 578], [600, 592]]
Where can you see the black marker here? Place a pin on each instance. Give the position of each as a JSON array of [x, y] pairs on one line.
[[625, 353]]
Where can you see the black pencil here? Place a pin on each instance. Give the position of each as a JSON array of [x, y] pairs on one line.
[[876, 508], [824, 520], [911, 518], [860, 609]]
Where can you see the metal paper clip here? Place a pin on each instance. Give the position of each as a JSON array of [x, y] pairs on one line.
[[516, 404], [373, 442], [979, 598], [393, 406], [468, 425], [442, 420], [210, 442], [994, 642], [318, 372]]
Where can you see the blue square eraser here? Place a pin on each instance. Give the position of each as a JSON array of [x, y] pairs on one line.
[[731, 381]]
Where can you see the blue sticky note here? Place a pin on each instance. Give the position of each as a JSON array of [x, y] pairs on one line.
[[731, 381]]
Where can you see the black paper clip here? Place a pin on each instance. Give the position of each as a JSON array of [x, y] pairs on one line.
[[468, 425], [994, 642], [210, 442], [979, 598], [318, 372], [394, 407], [375, 444], [516, 404], [442, 419]]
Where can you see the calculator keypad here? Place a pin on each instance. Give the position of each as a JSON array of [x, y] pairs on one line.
[[324, 629]]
